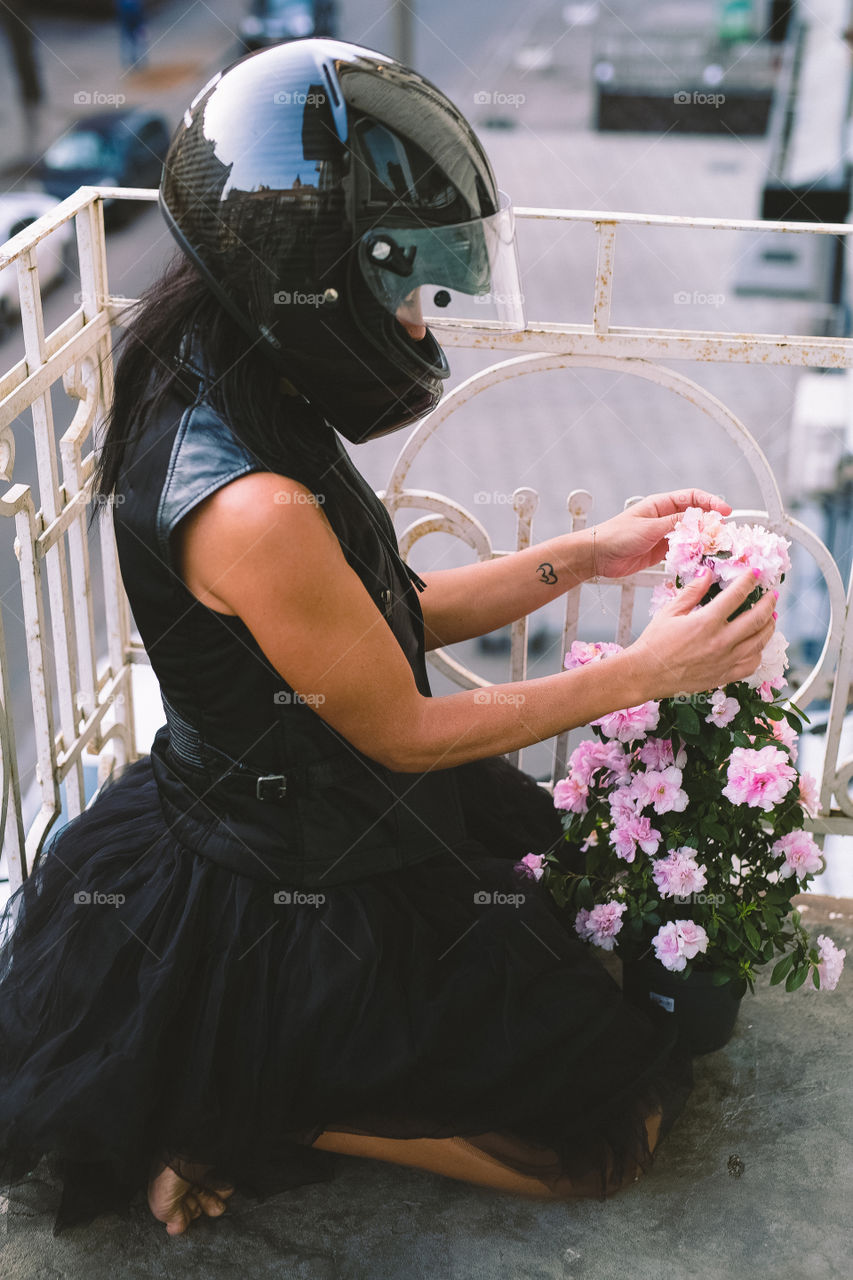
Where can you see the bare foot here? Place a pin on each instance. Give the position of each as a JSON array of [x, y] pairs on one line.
[[176, 1200]]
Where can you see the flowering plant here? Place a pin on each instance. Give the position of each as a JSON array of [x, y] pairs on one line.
[[684, 818]]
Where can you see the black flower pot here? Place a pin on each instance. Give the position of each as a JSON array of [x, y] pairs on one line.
[[706, 1014]]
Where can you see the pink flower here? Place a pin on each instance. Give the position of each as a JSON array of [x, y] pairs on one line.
[[679, 874], [692, 938], [600, 925], [532, 865], [661, 788], [581, 653], [634, 831], [656, 753], [783, 733], [698, 534], [758, 778], [801, 854], [772, 667], [662, 594], [831, 962], [723, 709], [631, 723], [623, 804], [667, 950], [677, 942], [591, 754], [570, 793], [754, 547], [809, 796]]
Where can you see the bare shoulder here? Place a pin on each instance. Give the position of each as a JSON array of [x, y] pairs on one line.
[[252, 519]]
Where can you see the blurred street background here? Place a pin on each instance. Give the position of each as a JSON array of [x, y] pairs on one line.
[[713, 108]]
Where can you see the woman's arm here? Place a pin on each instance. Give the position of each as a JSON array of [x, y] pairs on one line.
[[280, 568], [459, 604]]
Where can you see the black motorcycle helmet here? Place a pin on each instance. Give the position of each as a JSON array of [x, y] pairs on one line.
[[318, 186]]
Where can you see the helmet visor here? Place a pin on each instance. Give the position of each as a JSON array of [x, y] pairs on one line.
[[467, 271]]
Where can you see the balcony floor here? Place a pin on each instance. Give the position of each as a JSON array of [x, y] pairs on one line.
[[779, 1096]]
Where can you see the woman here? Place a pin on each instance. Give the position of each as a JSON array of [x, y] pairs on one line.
[[296, 926]]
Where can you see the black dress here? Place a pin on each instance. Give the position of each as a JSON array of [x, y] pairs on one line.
[[256, 933]]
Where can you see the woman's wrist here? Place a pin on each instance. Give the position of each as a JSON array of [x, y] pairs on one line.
[[578, 552]]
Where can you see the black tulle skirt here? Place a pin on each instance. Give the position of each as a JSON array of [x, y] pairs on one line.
[[156, 1005]]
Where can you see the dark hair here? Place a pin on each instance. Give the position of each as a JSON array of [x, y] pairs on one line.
[[247, 393]]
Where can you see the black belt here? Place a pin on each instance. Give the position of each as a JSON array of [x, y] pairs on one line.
[[187, 745]]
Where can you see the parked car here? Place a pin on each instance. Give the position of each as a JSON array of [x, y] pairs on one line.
[[271, 22], [54, 254], [124, 147]]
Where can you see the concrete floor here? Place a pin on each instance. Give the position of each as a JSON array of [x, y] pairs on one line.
[[779, 1097]]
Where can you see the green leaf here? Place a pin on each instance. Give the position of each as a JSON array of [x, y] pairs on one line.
[[584, 895], [753, 937], [719, 978], [773, 712], [781, 969], [797, 978], [686, 718]]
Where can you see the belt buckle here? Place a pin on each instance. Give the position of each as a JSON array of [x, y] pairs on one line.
[[276, 790]]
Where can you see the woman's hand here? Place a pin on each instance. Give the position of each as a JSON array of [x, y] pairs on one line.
[[636, 538], [690, 650]]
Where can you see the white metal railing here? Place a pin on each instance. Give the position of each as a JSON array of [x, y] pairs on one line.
[[86, 706]]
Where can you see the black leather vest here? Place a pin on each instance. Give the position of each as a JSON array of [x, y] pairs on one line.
[[247, 773]]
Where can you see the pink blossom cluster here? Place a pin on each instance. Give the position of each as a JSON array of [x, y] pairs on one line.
[[657, 753], [582, 652], [801, 854], [697, 535], [600, 925], [679, 874], [660, 788], [631, 723], [702, 539], [754, 547], [677, 942], [590, 756], [758, 778], [532, 865], [630, 827], [831, 962], [632, 831]]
